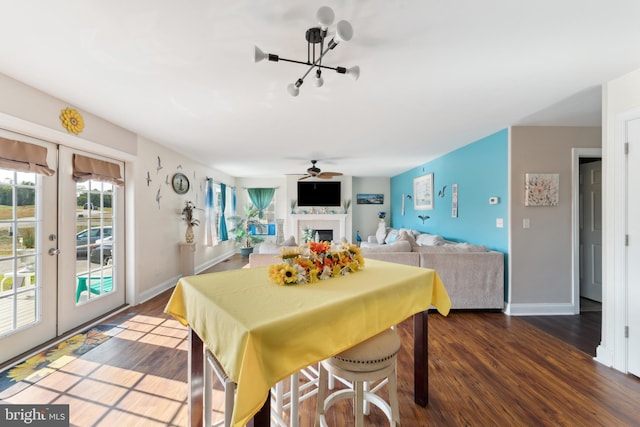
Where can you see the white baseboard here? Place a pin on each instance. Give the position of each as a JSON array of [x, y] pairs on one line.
[[157, 290], [542, 309], [604, 356], [211, 262]]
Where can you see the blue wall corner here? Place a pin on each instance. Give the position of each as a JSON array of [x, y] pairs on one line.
[[481, 171]]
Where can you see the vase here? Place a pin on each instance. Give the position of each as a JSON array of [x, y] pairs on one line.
[[189, 236], [381, 232]]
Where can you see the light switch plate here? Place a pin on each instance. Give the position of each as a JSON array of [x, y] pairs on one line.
[[499, 222]]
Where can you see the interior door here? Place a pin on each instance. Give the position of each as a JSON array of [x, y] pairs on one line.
[[91, 262], [28, 221], [591, 231], [633, 248]]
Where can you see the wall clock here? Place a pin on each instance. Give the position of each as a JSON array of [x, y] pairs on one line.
[[180, 183]]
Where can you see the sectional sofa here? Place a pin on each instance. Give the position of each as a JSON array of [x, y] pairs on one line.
[[472, 274]]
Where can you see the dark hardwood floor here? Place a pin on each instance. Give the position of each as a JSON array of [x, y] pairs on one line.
[[485, 369], [582, 331]]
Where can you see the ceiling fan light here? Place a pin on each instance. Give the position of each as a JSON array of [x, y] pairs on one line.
[[344, 31], [258, 55], [353, 72], [325, 16]]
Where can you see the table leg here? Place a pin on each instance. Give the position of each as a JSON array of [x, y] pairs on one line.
[[421, 358], [196, 379], [263, 417]]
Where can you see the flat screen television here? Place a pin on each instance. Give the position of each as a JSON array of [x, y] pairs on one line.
[[319, 193]]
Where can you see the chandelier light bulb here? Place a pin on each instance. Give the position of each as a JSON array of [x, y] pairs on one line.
[[344, 31], [319, 81], [258, 55], [353, 72], [325, 16], [293, 90]]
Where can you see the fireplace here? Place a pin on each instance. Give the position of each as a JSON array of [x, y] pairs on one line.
[[325, 235], [335, 223]]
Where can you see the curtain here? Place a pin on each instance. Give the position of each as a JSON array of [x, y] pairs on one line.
[[223, 222], [233, 201], [209, 213], [24, 157], [261, 197], [86, 168]]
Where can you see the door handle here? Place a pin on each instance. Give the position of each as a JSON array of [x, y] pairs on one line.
[[54, 251]]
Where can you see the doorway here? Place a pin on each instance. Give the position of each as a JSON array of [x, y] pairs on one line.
[[583, 257], [50, 224], [590, 182]]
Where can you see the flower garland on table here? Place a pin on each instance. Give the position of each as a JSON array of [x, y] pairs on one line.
[[308, 264]]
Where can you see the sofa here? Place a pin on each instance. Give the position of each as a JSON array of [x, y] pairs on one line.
[[472, 274]]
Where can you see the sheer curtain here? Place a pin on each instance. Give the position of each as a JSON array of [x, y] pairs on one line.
[[261, 198], [233, 201], [223, 203], [210, 214]]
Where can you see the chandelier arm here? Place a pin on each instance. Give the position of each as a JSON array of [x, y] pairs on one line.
[[312, 64]]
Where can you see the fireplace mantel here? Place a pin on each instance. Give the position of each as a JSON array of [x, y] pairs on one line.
[[335, 222]]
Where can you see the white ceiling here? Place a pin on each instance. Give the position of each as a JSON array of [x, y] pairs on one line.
[[435, 74]]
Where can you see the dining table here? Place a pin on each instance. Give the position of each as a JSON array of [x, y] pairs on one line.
[[261, 332]]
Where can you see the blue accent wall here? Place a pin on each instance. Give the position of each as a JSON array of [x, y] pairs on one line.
[[481, 171]]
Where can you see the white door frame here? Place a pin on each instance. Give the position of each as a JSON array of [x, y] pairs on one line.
[[612, 350], [576, 154]]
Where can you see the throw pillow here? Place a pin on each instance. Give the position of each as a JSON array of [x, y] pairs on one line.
[[408, 237], [291, 241], [392, 236], [425, 239]]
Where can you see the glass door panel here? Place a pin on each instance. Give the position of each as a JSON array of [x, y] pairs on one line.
[[27, 272], [94, 240]]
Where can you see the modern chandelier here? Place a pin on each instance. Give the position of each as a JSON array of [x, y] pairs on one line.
[[316, 36]]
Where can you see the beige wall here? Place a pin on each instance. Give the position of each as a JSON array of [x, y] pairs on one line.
[[365, 217], [35, 107], [540, 258], [154, 231], [159, 228]]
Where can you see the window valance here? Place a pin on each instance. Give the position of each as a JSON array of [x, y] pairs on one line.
[[23, 156], [86, 168]]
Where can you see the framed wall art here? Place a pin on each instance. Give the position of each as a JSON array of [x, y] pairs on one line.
[[370, 199], [541, 189], [423, 192]]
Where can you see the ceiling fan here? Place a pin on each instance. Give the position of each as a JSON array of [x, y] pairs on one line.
[[315, 172]]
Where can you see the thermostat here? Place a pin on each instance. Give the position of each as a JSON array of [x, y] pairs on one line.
[[493, 200]]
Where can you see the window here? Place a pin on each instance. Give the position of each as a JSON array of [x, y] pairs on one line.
[[94, 239]]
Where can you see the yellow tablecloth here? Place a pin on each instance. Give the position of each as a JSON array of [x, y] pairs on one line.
[[261, 332]]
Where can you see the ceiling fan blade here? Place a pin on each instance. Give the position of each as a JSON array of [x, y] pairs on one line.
[[328, 175], [304, 177]]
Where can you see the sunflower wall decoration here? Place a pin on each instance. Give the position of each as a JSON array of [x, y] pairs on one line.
[[72, 121]]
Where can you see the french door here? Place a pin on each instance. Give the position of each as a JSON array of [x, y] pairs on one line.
[[28, 290], [61, 251], [91, 247]]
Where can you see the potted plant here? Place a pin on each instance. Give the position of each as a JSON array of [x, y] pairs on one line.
[[242, 229]]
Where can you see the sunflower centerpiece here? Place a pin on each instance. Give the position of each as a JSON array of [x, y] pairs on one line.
[[316, 261]]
